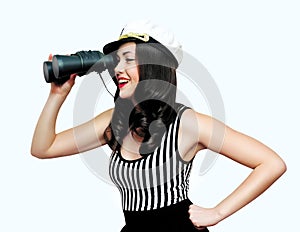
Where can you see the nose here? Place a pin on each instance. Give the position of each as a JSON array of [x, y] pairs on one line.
[[119, 67]]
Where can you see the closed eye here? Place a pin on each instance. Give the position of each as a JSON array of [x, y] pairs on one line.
[[128, 60]]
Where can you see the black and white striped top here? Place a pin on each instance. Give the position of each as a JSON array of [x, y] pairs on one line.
[[154, 181]]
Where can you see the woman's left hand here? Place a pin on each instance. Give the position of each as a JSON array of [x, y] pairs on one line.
[[203, 217]]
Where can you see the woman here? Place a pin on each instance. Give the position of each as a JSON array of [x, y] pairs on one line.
[[154, 139]]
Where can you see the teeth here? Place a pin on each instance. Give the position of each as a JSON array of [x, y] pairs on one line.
[[123, 81]]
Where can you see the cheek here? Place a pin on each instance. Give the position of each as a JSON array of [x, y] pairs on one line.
[[134, 74]]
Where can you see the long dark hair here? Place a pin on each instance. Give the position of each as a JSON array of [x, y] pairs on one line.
[[154, 95]]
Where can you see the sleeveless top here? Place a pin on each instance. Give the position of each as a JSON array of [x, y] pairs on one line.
[[154, 181]]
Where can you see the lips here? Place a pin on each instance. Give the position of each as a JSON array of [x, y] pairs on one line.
[[122, 82]]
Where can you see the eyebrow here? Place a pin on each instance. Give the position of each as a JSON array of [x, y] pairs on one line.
[[126, 52]]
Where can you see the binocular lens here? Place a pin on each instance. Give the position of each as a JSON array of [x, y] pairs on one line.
[[48, 72], [61, 67]]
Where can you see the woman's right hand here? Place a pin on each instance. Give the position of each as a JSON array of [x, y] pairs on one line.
[[45, 142], [65, 88]]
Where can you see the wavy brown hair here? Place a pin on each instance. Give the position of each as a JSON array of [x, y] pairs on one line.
[[155, 97]]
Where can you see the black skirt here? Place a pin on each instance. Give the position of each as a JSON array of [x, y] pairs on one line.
[[174, 218]]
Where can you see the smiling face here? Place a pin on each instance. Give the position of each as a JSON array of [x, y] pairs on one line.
[[126, 70]]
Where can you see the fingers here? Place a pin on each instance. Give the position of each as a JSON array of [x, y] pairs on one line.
[[203, 217], [193, 211], [73, 76], [50, 57]]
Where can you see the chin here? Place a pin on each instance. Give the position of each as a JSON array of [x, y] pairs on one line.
[[127, 92], [124, 95]]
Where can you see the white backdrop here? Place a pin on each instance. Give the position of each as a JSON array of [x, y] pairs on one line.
[[251, 49]]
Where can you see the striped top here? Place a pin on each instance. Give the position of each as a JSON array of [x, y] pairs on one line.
[[154, 181]]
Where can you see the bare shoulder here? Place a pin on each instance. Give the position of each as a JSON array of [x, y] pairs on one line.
[[189, 134], [194, 122], [202, 128]]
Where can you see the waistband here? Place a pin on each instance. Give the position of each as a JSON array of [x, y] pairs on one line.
[[171, 218]]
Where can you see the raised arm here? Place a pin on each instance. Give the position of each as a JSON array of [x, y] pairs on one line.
[[46, 143], [266, 164]]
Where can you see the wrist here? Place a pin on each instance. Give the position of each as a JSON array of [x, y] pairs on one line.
[[56, 99], [59, 94], [220, 214]]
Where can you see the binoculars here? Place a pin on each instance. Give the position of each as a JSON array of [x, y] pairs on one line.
[[62, 66]]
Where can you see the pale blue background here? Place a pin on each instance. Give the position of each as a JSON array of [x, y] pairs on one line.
[[251, 48]]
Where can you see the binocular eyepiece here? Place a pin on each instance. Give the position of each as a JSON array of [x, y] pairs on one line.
[[61, 67]]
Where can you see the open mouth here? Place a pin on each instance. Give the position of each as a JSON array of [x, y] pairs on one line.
[[122, 82]]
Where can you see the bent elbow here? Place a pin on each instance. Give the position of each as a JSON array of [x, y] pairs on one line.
[[280, 167], [283, 167], [38, 154]]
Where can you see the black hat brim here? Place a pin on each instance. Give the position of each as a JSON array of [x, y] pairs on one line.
[[113, 46]]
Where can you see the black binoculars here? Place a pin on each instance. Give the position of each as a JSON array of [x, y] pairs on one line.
[[62, 66]]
